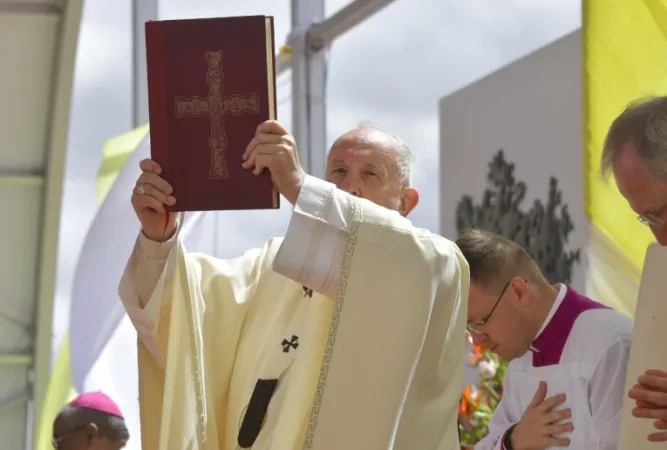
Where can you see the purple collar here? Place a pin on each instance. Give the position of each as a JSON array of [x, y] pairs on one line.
[[550, 343]]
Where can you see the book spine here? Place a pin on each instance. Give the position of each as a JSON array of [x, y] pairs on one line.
[[271, 75], [158, 108], [272, 70]]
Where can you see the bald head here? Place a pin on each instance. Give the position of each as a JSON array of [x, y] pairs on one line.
[[372, 163], [374, 135]]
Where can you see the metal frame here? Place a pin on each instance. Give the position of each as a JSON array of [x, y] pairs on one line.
[[325, 33], [142, 12], [309, 72], [51, 9], [21, 180], [53, 184], [308, 89], [15, 359]]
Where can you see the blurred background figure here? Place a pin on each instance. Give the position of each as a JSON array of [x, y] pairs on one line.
[[92, 421]]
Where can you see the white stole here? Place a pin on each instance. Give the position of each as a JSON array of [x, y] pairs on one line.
[[648, 337]]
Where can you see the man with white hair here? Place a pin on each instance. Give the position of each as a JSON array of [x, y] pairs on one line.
[[347, 333], [635, 150]]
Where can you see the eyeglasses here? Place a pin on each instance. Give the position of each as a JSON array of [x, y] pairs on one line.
[[473, 327], [654, 217], [651, 220], [56, 441]]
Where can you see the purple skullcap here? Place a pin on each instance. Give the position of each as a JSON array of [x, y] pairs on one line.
[[99, 402]]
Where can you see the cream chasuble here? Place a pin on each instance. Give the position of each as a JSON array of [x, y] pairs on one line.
[[372, 359]]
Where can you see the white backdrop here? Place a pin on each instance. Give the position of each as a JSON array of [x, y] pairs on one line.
[[532, 110]]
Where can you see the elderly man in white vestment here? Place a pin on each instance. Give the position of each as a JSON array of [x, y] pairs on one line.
[[568, 354], [635, 149], [348, 333]]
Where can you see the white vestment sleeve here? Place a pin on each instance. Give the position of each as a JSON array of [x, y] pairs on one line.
[[141, 286], [152, 259], [607, 391], [317, 238], [497, 428], [501, 421], [141, 276]]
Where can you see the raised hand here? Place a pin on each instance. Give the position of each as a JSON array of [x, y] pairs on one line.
[[650, 395], [539, 423], [273, 148], [149, 197]]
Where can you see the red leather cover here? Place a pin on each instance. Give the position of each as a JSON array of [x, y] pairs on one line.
[[208, 91]]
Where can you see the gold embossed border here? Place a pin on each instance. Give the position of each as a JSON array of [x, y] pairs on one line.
[[198, 367], [353, 216]]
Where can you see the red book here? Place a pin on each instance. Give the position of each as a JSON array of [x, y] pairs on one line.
[[211, 83]]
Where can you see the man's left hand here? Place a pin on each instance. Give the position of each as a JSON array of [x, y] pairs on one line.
[[650, 395], [273, 148]]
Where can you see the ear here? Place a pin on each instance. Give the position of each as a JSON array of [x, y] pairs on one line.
[[92, 432], [409, 201], [522, 290]]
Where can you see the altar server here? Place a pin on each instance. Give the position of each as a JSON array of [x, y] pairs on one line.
[[568, 354]]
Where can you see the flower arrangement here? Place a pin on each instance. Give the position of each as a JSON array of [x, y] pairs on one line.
[[480, 399]]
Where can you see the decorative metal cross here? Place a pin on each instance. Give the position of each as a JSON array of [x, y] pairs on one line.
[[294, 343], [216, 106]]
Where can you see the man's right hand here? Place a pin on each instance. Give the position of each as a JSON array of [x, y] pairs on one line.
[[149, 197], [539, 423], [650, 395]]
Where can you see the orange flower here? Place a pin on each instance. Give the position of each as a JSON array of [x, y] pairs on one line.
[[464, 405], [469, 401], [477, 353], [479, 349]]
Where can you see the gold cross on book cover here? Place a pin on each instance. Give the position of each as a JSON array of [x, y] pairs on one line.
[[211, 83]]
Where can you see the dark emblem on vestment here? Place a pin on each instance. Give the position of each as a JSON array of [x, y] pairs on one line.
[[292, 343], [543, 230], [255, 414]]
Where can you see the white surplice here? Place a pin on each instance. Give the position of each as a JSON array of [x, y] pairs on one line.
[[380, 355], [582, 351]]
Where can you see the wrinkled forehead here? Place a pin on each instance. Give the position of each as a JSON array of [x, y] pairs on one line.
[[367, 146], [635, 182]]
